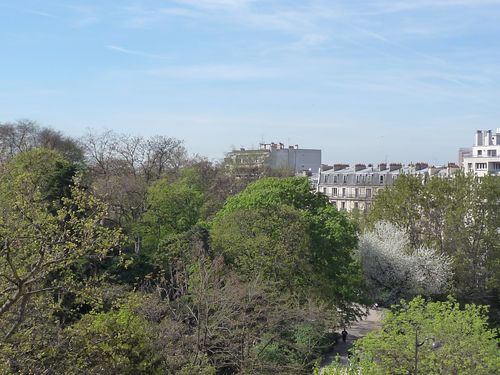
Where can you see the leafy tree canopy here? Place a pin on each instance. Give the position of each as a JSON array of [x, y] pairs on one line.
[[324, 244], [451, 340], [458, 217]]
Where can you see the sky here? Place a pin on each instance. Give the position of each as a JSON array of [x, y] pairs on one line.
[[363, 80]]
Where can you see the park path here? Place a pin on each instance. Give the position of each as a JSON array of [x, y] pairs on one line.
[[356, 330]]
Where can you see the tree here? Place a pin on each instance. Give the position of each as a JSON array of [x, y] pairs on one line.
[[272, 243], [25, 135], [42, 232], [171, 208], [395, 270], [119, 341], [123, 167], [453, 340], [458, 217], [334, 273]]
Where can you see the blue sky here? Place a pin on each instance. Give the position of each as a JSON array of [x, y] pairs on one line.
[[365, 81]]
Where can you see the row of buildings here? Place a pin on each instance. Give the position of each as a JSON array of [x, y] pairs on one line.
[[352, 187]]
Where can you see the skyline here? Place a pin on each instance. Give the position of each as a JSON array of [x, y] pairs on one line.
[[364, 81]]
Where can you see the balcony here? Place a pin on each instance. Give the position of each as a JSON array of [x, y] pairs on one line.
[[350, 197]]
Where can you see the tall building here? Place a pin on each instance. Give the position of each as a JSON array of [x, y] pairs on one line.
[[274, 156], [485, 156], [355, 187]]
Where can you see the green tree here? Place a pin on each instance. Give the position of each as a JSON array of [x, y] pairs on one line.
[[458, 217], [119, 341], [171, 208], [329, 235], [273, 243], [45, 227], [450, 340]]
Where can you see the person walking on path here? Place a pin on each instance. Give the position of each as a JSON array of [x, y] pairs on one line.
[[344, 335]]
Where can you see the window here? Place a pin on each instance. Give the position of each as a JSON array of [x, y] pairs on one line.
[[345, 179], [324, 190], [492, 153], [479, 152], [496, 166], [356, 205], [335, 191], [469, 166], [342, 205], [368, 193], [356, 192], [334, 179], [481, 165], [357, 179], [381, 179], [343, 192]]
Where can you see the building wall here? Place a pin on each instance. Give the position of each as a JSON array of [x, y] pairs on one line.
[[296, 159], [485, 156], [350, 188], [275, 156]]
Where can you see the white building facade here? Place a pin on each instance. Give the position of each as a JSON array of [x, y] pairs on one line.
[[485, 156], [355, 187], [275, 156]]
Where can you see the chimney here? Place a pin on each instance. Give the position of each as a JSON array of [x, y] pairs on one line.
[[420, 166], [359, 167], [395, 166], [382, 166], [479, 138], [487, 138], [338, 167]]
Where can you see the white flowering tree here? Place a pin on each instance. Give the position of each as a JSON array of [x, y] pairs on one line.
[[394, 270]]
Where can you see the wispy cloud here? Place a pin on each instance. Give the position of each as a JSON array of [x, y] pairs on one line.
[[136, 53], [413, 5], [40, 13], [217, 4], [217, 72], [29, 93], [33, 11]]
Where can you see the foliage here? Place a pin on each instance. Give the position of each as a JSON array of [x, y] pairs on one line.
[[123, 167], [462, 342], [273, 191], [458, 217], [40, 237], [272, 243], [394, 270], [172, 208], [330, 235], [25, 135], [116, 342]]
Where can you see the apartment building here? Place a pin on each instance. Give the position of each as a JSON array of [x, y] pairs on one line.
[[274, 156], [355, 187], [484, 158]]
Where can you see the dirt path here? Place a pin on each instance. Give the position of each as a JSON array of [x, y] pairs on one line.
[[356, 330]]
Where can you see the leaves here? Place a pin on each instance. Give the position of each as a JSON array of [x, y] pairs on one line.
[[466, 345], [395, 270]]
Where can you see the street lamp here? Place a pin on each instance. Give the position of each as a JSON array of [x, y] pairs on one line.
[[418, 344]]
